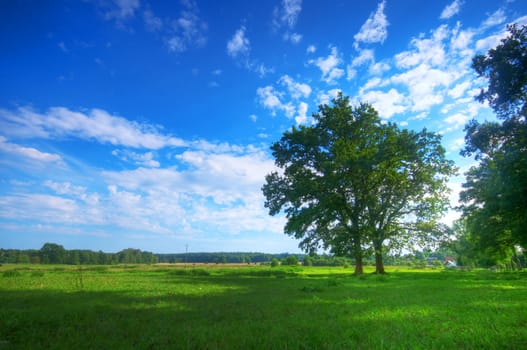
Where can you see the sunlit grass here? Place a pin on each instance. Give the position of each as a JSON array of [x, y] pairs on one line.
[[253, 307]]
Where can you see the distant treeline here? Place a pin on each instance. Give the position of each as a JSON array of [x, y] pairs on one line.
[[52, 253]]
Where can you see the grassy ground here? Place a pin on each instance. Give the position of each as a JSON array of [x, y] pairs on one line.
[[156, 307]]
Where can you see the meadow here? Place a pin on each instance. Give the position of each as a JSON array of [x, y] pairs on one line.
[[259, 307]]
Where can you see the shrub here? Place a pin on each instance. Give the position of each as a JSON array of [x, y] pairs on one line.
[[12, 273]]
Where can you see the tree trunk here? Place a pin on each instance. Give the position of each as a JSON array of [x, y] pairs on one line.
[[358, 265], [379, 264]]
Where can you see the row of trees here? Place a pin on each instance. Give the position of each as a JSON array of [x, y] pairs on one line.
[[493, 228], [358, 187], [52, 253]]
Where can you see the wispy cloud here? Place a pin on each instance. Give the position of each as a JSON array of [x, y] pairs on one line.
[[375, 29], [239, 44], [97, 124], [188, 30], [285, 17], [28, 152], [120, 10], [152, 22], [239, 48], [289, 101], [451, 9]]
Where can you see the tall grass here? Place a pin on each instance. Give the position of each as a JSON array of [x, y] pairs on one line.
[[260, 308]]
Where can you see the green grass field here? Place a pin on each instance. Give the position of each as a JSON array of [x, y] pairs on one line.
[[157, 307]]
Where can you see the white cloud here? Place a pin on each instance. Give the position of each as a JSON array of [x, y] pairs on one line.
[[121, 10], [219, 190], [364, 57], [311, 49], [459, 90], [386, 103], [329, 66], [238, 44], [425, 50], [495, 19], [456, 121], [28, 152], [188, 30], [374, 30], [302, 117], [422, 83], [294, 38], [457, 144], [96, 125], [287, 14], [296, 90], [269, 97], [42, 207], [239, 48], [141, 159], [451, 9], [324, 98], [379, 68], [253, 117]]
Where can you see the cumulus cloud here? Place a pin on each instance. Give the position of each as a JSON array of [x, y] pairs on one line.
[[451, 10], [422, 83], [330, 66], [302, 117], [425, 50], [296, 89], [374, 30], [96, 124], [386, 103], [269, 97], [274, 100]]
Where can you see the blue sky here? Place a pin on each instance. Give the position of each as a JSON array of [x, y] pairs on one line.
[[127, 123]]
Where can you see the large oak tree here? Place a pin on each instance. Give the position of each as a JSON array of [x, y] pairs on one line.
[[355, 185]]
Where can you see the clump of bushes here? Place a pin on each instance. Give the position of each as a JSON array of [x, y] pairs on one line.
[[11, 273]]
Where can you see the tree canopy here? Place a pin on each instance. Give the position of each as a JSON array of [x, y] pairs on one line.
[[495, 192], [355, 185]]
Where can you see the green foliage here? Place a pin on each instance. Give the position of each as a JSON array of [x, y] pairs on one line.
[[505, 67], [351, 183], [11, 273], [274, 262], [290, 260], [495, 193]]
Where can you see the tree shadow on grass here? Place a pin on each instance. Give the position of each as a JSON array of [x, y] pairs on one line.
[[256, 311]]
